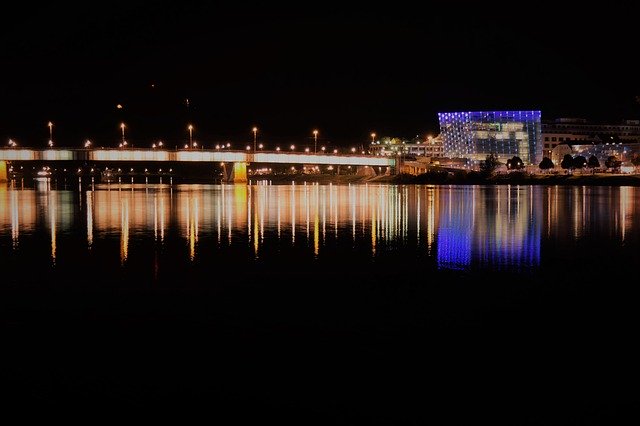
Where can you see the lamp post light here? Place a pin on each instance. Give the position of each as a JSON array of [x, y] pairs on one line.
[[87, 143], [353, 150], [293, 147], [315, 141], [122, 127], [373, 138], [322, 149], [255, 137], [278, 148], [190, 128], [50, 125], [260, 146]]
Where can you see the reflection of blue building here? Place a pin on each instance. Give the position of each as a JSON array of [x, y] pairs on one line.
[[455, 230], [474, 135], [494, 227]]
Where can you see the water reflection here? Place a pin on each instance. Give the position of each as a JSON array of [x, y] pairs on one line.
[[460, 227]]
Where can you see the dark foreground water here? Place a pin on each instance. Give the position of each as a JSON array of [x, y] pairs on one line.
[[322, 304]]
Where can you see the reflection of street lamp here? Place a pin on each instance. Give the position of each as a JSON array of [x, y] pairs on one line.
[[50, 124], [255, 137], [190, 127], [315, 141]]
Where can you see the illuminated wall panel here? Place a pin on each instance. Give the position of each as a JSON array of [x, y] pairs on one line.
[[474, 135]]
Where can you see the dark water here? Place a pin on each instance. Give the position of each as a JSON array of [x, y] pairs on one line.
[[329, 304]]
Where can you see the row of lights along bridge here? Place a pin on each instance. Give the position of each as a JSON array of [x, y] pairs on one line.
[[194, 145]]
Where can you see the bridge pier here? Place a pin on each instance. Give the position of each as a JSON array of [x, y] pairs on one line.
[[3, 171], [236, 173]]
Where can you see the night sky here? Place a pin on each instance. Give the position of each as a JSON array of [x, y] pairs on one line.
[[346, 72]]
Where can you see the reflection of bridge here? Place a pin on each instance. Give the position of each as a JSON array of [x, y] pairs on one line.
[[239, 159]]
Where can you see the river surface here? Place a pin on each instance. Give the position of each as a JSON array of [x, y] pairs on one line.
[[349, 304]]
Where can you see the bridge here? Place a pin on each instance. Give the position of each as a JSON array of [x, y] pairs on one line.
[[238, 159]]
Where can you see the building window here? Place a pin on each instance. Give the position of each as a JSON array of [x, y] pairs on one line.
[[553, 139], [546, 138]]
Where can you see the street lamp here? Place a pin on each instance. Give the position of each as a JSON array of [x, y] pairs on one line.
[[353, 150], [255, 137], [87, 143], [293, 147], [260, 146], [190, 128], [50, 125], [315, 141], [122, 126], [373, 138]]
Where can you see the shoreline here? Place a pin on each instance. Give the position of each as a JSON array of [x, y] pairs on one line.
[[463, 178]]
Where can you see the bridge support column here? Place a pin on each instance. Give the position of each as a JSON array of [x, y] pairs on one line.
[[3, 171], [236, 172]]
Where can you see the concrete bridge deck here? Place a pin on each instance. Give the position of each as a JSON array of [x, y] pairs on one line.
[[239, 159]]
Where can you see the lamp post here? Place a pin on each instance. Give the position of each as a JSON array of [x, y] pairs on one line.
[[255, 138], [373, 138], [122, 126], [315, 141], [50, 125], [190, 128]]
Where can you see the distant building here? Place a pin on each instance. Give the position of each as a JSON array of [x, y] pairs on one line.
[[431, 147], [558, 153], [474, 135], [578, 131]]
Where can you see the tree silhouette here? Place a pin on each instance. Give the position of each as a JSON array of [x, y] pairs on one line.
[[546, 164], [567, 162], [490, 164], [593, 162], [579, 162], [612, 162], [515, 163]]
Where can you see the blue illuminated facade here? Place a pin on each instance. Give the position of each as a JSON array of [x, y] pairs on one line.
[[474, 135]]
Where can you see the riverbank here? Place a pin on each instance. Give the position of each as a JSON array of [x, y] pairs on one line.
[[463, 177]]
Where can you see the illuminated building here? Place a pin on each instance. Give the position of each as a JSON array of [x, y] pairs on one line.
[[431, 147], [474, 135], [586, 138]]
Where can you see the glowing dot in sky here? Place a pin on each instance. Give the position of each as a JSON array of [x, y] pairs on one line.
[[119, 106]]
